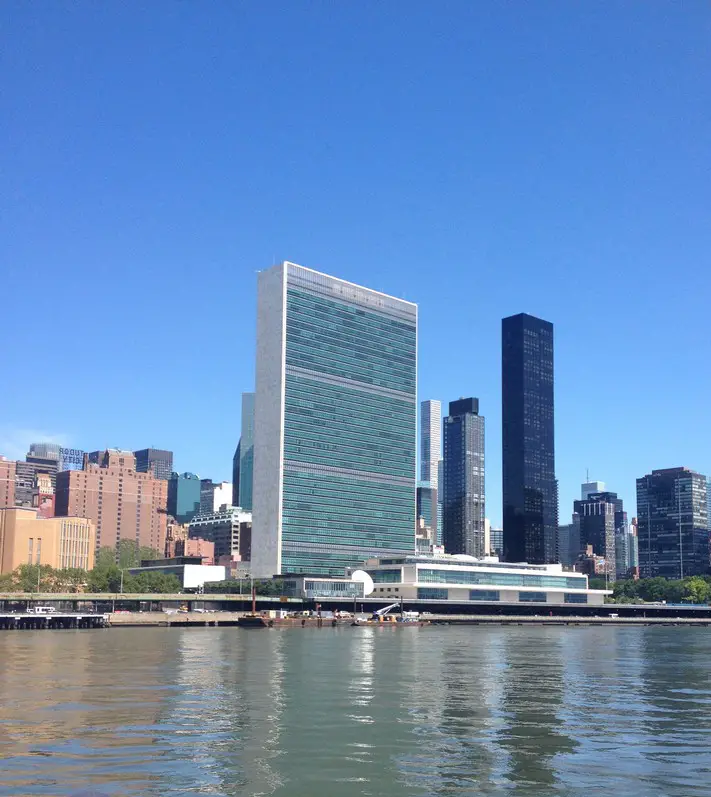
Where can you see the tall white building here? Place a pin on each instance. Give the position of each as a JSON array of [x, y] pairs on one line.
[[335, 424], [430, 441]]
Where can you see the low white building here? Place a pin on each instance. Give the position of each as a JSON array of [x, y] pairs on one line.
[[191, 576], [462, 579]]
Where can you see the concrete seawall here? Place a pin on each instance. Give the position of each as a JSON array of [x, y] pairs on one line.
[[217, 619]]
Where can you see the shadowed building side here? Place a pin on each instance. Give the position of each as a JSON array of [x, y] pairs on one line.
[[530, 505]]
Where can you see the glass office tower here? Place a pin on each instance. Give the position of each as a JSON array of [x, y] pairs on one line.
[[530, 502], [335, 424], [672, 524], [463, 499], [246, 454], [156, 461]]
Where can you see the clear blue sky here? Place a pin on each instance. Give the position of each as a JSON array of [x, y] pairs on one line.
[[481, 159]]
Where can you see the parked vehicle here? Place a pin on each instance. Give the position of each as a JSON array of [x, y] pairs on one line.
[[41, 610]]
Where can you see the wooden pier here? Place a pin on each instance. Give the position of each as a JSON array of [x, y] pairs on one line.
[[26, 620]]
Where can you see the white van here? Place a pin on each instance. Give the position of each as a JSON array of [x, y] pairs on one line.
[[41, 610]]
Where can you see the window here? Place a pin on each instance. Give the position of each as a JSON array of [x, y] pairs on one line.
[[532, 597], [484, 595], [30, 545], [574, 597], [384, 576], [432, 594], [39, 549]]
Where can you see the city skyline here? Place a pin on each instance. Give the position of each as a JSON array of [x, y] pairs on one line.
[[50, 442], [125, 195]]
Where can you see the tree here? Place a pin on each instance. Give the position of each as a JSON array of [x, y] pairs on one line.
[[35, 578], [597, 582], [152, 582], [131, 554], [7, 583], [653, 589], [105, 557], [71, 579], [104, 579], [696, 590]]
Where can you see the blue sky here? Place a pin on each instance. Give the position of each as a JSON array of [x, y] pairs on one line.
[[481, 159]]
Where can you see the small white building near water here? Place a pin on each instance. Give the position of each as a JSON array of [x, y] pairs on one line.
[[462, 579], [191, 574]]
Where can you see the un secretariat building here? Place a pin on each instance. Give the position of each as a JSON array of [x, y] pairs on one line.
[[335, 424]]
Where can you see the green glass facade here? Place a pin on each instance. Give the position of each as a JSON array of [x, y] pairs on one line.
[[428, 575], [349, 443]]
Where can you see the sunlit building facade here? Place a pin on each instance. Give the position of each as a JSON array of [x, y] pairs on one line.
[[335, 424]]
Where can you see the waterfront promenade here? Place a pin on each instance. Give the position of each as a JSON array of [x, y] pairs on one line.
[[222, 619], [225, 609]]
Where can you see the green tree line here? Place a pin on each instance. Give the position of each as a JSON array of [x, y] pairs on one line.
[[244, 586], [692, 589], [106, 575]]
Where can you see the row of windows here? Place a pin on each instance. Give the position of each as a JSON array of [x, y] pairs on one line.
[[310, 308], [365, 421], [368, 464], [344, 439], [328, 404], [353, 353], [366, 347], [386, 576], [532, 597], [310, 296], [374, 537], [503, 579], [364, 366], [328, 484], [484, 595], [431, 594], [315, 317], [342, 511], [382, 492], [312, 299], [347, 504], [364, 375], [336, 589], [329, 397]]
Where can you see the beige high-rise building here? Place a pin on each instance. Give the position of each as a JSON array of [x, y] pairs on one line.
[[122, 503], [28, 539], [7, 482]]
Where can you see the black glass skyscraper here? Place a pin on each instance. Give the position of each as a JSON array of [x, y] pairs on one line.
[[530, 503], [463, 509], [155, 461]]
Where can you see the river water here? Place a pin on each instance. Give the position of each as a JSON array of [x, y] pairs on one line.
[[356, 711]]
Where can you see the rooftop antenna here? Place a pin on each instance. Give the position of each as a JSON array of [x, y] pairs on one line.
[[587, 474]]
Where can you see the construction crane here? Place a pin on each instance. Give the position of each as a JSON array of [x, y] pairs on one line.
[[382, 612]]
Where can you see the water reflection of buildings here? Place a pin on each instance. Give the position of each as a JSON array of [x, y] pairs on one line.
[[225, 717], [533, 733], [674, 720], [71, 698], [451, 701]]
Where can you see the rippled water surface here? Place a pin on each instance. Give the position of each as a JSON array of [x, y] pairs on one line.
[[356, 711]]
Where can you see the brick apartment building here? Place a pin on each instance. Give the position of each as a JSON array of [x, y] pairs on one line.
[[122, 503], [7, 482]]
